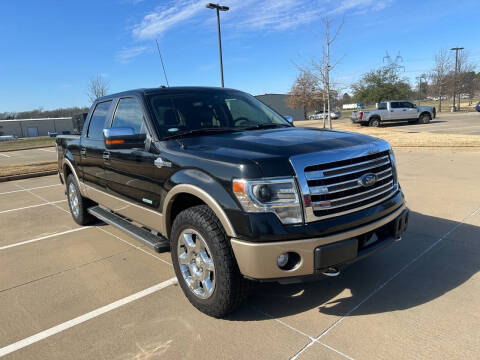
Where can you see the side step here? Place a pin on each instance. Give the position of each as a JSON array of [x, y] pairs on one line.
[[158, 243]]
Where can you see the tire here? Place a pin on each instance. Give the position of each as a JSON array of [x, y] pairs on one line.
[[77, 204], [374, 122], [199, 242], [424, 119]]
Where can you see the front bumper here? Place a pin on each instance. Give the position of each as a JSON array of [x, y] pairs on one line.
[[259, 260]]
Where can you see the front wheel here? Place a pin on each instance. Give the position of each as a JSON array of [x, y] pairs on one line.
[[204, 262], [424, 119]]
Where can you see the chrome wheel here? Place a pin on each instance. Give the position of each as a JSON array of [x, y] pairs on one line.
[[73, 200], [196, 263]]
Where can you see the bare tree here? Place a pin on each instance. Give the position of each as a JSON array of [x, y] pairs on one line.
[[305, 92], [439, 75], [97, 87], [325, 65]]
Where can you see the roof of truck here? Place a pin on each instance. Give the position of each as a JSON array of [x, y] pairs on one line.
[[164, 89]]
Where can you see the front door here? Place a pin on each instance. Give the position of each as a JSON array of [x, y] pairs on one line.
[[131, 174]]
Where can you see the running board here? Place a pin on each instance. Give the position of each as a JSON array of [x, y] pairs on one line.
[[158, 243]]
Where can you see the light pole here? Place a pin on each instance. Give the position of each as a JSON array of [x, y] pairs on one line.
[[219, 8], [455, 79]]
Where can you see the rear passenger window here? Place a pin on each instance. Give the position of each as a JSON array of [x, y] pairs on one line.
[[395, 105], [97, 122], [382, 106], [129, 114]]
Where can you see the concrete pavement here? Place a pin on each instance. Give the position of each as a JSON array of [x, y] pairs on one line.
[[416, 299]]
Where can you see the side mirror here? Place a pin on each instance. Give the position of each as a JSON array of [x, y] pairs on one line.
[[123, 138], [289, 119]]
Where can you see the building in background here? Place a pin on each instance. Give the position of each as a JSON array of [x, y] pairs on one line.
[[36, 127], [278, 102]]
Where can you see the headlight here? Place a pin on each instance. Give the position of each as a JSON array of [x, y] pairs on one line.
[[279, 196]]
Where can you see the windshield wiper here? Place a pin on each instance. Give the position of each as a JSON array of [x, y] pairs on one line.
[[198, 132], [265, 126]]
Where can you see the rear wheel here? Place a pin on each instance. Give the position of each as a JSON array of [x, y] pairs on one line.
[[424, 119], [77, 203], [374, 122], [204, 262]]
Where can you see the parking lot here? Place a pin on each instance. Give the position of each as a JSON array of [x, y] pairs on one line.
[[94, 292], [28, 156], [444, 123]]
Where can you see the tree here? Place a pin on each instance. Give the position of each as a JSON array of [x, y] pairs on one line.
[[381, 84], [305, 92], [97, 87], [439, 75]]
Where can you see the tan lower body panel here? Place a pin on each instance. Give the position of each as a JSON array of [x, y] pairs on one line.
[[259, 260], [149, 218]]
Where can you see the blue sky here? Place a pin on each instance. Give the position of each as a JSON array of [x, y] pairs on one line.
[[51, 48]]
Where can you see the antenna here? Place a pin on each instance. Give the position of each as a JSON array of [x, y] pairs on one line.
[[161, 59]]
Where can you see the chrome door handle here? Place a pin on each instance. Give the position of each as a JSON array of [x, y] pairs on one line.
[[159, 162], [106, 156]]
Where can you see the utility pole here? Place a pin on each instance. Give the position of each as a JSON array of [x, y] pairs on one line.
[[455, 78], [219, 8]]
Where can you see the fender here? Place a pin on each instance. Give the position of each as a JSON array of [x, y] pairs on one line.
[[206, 188], [68, 161]]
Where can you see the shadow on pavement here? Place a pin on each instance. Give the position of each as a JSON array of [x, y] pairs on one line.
[[449, 264]]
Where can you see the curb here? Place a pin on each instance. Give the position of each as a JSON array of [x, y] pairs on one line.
[[27, 176], [28, 148]]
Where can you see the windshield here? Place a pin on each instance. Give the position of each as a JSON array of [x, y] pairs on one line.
[[211, 110]]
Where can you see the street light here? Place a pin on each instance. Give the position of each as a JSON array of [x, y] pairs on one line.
[[219, 8], [455, 80]]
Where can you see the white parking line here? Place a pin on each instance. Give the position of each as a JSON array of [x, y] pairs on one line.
[[83, 318], [32, 206], [42, 238], [5, 155], [25, 189], [394, 276], [48, 150]]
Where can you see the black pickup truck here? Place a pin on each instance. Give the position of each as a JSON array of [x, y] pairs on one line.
[[231, 188]]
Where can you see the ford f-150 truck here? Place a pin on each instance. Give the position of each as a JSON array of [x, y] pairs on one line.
[[398, 110], [234, 191]]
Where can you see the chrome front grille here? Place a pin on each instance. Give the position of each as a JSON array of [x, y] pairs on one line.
[[334, 188]]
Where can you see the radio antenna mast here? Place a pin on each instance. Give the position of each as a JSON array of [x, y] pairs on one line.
[[161, 60]]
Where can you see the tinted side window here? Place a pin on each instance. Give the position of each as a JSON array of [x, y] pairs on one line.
[[97, 123], [129, 114], [395, 105], [407, 104], [382, 106]]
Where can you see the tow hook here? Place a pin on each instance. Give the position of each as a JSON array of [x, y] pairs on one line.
[[331, 271]]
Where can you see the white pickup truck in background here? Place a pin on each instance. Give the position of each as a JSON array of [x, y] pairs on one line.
[[395, 110]]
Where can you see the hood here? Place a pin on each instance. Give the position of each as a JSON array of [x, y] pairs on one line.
[[425, 108], [271, 149]]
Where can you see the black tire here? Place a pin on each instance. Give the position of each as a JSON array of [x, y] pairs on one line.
[[374, 122], [424, 119], [230, 288], [80, 215]]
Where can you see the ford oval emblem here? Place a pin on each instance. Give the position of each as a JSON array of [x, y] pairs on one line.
[[367, 180]]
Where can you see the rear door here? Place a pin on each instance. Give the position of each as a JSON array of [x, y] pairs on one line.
[[396, 110], [131, 175], [92, 148]]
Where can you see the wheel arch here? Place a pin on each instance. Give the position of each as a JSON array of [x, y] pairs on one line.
[[184, 196]]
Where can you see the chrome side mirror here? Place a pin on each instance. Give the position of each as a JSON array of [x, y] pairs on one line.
[[123, 138]]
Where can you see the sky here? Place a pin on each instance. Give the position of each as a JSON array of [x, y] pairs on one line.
[[51, 48]]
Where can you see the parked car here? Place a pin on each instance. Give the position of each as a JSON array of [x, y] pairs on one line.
[[478, 106], [335, 114], [395, 110], [232, 189]]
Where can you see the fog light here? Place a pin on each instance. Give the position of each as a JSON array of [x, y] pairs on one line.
[[282, 260]]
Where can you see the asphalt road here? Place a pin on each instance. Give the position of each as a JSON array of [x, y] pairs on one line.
[[94, 292], [446, 123]]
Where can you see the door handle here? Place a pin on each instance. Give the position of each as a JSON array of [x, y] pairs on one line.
[[83, 152], [106, 155], [391, 110], [404, 110]]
